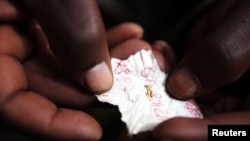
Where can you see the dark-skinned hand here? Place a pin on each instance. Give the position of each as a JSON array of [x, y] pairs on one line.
[[36, 96], [74, 29], [37, 93], [211, 71], [217, 54]]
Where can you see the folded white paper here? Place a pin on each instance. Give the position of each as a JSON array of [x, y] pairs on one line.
[[139, 92]]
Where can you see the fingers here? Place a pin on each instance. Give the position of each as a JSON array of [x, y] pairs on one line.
[[186, 129], [77, 37], [123, 32], [18, 45], [13, 42], [125, 49], [10, 11], [39, 116], [125, 39], [32, 113], [221, 57], [50, 84], [166, 54], [161, 50]]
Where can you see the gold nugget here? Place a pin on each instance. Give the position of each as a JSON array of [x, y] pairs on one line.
[[149, 93]]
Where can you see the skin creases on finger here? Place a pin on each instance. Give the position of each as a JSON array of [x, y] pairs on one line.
[[39, 116]]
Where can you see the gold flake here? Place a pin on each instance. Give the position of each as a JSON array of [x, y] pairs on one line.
[[149, 93]]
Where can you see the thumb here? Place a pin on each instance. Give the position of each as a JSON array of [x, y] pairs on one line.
[[77, 38], [207, 67], [219, 58]]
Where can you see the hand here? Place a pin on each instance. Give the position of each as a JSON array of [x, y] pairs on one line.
[[75, 29], [35, 95], [26, 108], [217, 53]]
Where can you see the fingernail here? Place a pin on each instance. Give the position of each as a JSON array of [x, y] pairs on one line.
[[182, 84], [99, 78]]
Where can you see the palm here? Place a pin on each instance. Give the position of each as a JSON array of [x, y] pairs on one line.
[[22, 97]]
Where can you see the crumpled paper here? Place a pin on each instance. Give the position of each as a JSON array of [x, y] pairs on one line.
[[139, 92]]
